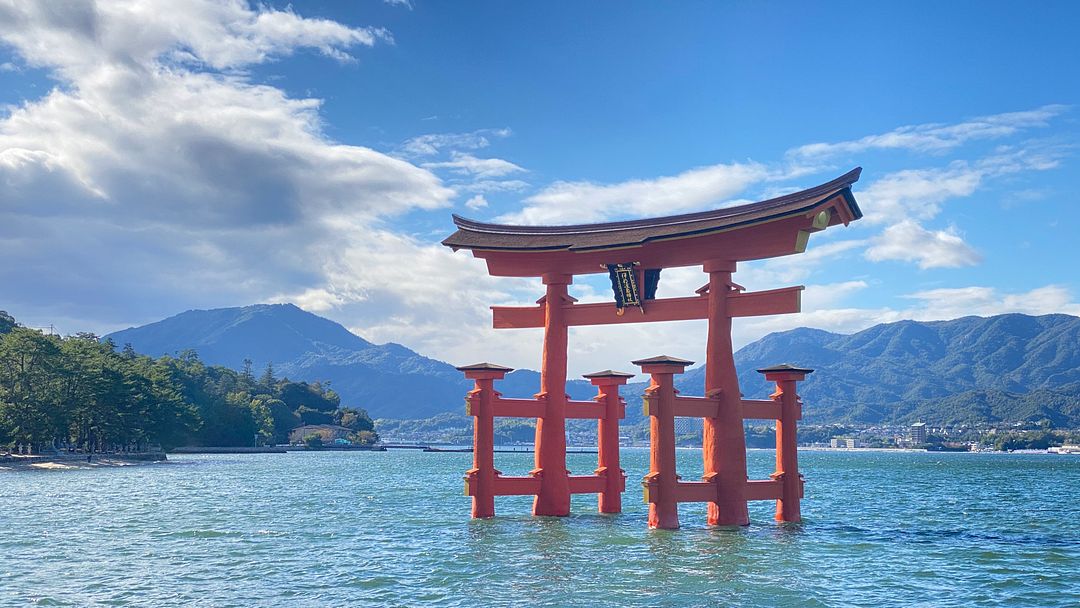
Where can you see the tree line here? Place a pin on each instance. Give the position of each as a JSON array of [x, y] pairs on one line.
[[79, 392]]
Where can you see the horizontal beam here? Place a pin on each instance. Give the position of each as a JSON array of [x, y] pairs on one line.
[[518, 408], [764, 489], [747, 304], [696, 491], [705, 491], [587, 484], [585, 410], [516, 486], [534, 408], [603, 313], [787, 300], [697, 407], [760, 409]]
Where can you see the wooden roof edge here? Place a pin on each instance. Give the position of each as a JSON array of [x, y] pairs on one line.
[[838, 185]]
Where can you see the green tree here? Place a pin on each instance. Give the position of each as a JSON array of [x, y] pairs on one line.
[[7, 322], [267, 381], [354, 419], [30, 365]]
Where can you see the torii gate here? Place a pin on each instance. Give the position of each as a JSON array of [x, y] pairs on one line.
[[716, 240]]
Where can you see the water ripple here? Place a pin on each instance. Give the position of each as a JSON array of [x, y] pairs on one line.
[[392, 529]]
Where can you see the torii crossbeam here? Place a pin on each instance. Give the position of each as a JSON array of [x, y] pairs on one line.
[[715, 240]]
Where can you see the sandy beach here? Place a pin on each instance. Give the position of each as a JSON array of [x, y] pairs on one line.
[[77, 461]]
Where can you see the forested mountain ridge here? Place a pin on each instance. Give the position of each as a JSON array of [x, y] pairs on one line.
[[1004, 368], [79, 392], [1008, 367], [388, 380]]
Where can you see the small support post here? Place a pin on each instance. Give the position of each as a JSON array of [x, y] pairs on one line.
[[479, 403], [661, 484], [787, 456], [607, 432]]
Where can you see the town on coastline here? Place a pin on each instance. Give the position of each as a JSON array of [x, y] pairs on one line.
[[1020, 436]]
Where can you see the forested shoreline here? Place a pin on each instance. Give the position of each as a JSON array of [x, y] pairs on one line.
[[79, 392]]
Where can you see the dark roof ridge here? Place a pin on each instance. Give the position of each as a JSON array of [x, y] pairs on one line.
[[839, 183]]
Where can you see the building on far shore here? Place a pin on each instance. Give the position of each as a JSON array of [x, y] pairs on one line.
[[844, 442], [918, 433]]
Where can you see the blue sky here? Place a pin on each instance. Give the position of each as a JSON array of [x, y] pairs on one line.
[[159, 156]]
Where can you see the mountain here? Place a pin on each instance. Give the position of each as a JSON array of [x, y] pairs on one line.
[[388, 380], [974, 369], [995, 369]]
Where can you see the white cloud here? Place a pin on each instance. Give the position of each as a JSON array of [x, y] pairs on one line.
[[487, 186], [159, 175], [816, 297], [432, 144], [949, 303], [917, 193], [76, 38], [147, 177], [934, 137], [482, 168], [908, 241], [570, 202], [476, 202], [406, 3]]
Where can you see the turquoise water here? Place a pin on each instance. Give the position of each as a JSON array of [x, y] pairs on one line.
[[370, 528]]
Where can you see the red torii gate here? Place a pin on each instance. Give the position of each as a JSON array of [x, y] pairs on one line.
[[715, 240]]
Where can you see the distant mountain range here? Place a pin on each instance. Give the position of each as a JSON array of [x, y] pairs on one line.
[[388, 380], [1009, 367], [997, 369]]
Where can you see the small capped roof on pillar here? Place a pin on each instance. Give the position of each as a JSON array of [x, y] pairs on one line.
[[608, 373], [663, 360], [785, 367], [484, 367], [476, 235]]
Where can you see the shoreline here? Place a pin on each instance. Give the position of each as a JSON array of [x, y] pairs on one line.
[[65, 462]]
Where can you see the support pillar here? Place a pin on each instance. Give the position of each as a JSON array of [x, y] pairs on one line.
[[479, 403], [723, 440], [787, 455], [607, 433], [661, 484], [550, 456]]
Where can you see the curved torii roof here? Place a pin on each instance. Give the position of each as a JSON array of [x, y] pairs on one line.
[[769, 228]]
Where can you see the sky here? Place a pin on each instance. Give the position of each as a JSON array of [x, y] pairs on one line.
[[158, 156]]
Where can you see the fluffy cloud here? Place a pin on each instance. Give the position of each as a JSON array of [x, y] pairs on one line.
[[158, 176], [949, 303], [920, 193], [151, 178], [917, 193], [910, 242], [77, 37], [476, 202], [570, 202], [451, 154]]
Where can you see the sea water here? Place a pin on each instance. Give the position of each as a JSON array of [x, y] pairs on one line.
[[393, 529]]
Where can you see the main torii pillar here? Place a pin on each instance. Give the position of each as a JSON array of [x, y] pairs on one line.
[[550, 446], [716, 241]]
